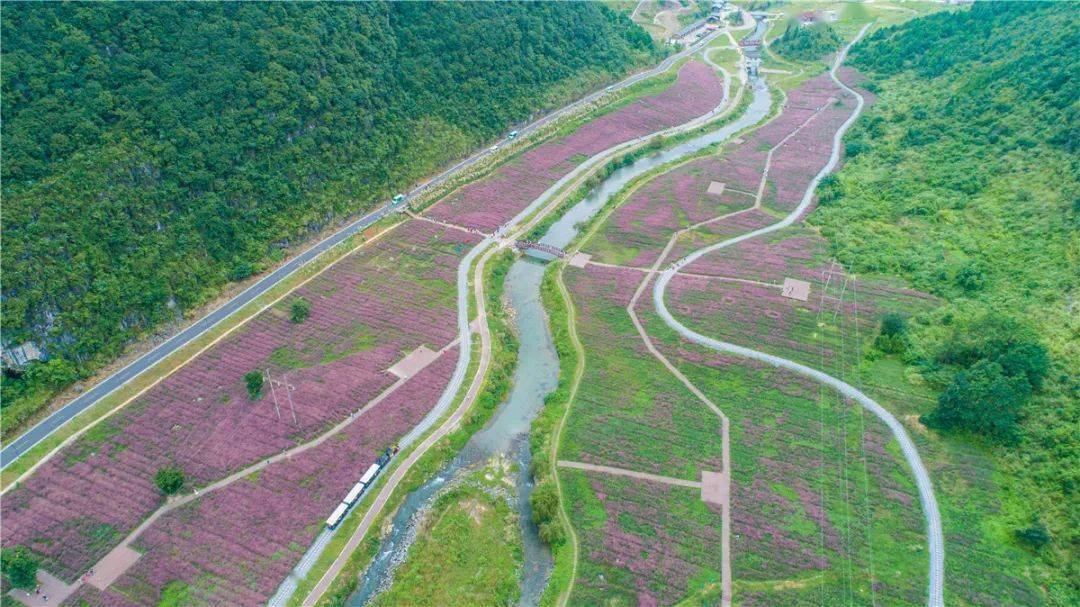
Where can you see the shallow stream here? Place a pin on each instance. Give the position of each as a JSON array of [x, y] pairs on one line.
[[536, 375]]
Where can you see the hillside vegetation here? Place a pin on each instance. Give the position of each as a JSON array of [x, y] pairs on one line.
[[963, 178], [806, 43], [153, 152]]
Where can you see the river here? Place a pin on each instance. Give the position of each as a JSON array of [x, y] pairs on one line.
[[536, 375]]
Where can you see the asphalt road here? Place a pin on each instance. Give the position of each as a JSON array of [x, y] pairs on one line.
[[935, 541], [61, 416]]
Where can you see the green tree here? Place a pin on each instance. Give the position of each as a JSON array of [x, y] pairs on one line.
[[20, 567], [544, 501], [892, 336], [299, 310], [1035, 536], [253, 380], [983, 400], [169, 480]]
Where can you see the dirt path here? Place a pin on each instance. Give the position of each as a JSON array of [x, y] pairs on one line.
[[654, 270], [645, 476]]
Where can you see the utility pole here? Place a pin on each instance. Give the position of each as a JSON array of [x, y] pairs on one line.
[[270, 380], [288, 391]]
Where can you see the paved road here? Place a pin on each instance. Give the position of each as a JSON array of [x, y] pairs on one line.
[[61, 416], [935, 540]]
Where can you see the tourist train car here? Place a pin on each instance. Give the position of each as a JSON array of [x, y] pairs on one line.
[[354, 493], [337, 515], [358, 489]]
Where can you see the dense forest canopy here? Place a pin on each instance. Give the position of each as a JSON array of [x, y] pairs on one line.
[[964, 178], [154, 151]]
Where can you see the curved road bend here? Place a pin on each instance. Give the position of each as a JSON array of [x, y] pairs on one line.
[[11, 451], [922, 479]]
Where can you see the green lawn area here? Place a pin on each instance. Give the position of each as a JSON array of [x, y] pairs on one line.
[[468, 550]]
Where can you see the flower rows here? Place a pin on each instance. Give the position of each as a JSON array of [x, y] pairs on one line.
[[488, 203], [639, 229], [234, 546], [802, 137], [813, 475], [367, 311], [653, 539]]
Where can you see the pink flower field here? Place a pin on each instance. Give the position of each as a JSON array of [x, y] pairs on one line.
[[653, 540], [823, 509], [367, 311], [491, 202], [236, 545], [795, 252], [639, 229], [798, 490], [812, 331]]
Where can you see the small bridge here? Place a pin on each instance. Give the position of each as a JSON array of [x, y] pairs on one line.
[[523, 245]]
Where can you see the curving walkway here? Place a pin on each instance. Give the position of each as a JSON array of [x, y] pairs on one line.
[[922, 479]]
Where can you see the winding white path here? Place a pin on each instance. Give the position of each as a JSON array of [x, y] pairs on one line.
[[935, 539]]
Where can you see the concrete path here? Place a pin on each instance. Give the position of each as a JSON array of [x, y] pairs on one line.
[[645, 476], [935, 539], [50, 591]]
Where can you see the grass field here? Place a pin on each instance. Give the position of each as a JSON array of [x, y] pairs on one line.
[[468, 549]]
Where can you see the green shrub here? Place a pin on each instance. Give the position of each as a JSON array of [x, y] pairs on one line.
[[552, 533], [19, 567], [254, 382], [299, 310], [892, 336], [169, 479], [545, 502], [982, 399], [1036, 536]]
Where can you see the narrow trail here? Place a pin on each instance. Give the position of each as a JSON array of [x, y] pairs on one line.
[[922, 479], [644, 476]]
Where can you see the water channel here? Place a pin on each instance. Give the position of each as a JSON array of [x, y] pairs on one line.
[[536, 375]]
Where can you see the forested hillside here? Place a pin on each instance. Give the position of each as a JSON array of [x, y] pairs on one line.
[[964, 179], [155, 151]]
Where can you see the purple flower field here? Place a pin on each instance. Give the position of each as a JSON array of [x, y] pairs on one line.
[[640, 228], [367, 311], [814, 477], [631, 413], [654, 540], [491, 202], [237, 544]]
